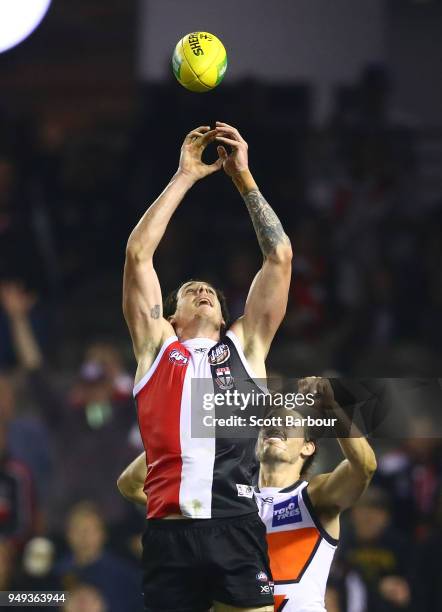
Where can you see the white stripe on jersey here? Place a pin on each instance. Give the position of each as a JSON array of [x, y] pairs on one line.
[[198, 454]]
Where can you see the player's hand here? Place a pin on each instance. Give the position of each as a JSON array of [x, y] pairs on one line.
[[237, 161], [191, 164], [321, 390], [395, 589], [16, 301]]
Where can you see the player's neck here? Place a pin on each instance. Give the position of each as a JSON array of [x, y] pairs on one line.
[[279, 475], [198, 328]]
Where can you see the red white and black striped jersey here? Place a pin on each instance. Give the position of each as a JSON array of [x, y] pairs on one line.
[[197, 477]]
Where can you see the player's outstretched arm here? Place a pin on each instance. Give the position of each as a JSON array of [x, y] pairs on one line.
[[131, 482], [267, 300], [142, 300], [334, 492]]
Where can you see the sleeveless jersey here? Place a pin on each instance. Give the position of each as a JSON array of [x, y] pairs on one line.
[[300, 550], [197, 477]]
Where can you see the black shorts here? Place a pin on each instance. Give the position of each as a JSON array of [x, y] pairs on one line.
[[189, 563]]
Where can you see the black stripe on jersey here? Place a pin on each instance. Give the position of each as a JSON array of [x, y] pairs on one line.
[[286, 490], [315, 519], [307, 563], [283, 605], [235, 460], [291, 487]]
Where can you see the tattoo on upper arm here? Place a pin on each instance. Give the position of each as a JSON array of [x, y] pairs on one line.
[[155, 312], [267, 226]]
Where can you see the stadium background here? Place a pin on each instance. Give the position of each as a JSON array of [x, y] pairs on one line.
[[342, 111]]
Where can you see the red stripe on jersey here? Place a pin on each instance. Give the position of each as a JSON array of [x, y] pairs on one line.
[[159, 411]]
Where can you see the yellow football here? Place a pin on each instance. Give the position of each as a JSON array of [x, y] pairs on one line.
[[199, 61]]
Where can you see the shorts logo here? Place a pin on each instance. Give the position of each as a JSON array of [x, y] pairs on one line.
[[286, 512], [262, 577], [224, 378], [177, 357], [266, 589], [219, 354], [244, 490]]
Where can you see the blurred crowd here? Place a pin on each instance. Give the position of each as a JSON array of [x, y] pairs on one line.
[[366, 299], [367, 241]]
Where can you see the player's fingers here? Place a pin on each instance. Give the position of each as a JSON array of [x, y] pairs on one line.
[[302, 385], [230, 129], [197, 132], [208, 137], [222, 152], [196, 135], [217, 165], [233, 143]]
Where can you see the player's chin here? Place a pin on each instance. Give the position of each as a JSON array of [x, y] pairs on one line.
[[272, 451]]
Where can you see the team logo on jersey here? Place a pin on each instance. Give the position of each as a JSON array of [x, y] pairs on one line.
[[178, 357], [224, 378], [262, 577], [286, 512], [219, 354], [244, 490]]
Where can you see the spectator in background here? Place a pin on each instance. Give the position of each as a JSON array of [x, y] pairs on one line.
[[18, 513], [109, 356], [36, 572], [87, 435], [7, 564], [378, 553], [345, 591], [412, 474], [105, 356], [308, 293], [85, 598], [89, 562], [428, 567], [28, 436]]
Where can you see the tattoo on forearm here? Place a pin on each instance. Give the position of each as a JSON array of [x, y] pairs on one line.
[[267, 226], [155, 312]]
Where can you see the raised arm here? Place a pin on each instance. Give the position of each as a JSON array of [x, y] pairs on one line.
[[131, 482], [267, 300], [142, 301], [334, 492], [17, 303]]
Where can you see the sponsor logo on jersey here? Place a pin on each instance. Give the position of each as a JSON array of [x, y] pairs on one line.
[[286, 512], [224, 378], [244, 490], [201, 350], [177, 357], [219, 354], [262, 577], [267, 500]]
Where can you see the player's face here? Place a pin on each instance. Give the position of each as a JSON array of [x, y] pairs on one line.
[[198, 299], [280, 444]]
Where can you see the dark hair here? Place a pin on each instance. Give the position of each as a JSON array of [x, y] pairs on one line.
[[309, 437], [170, 303], [311, 434]]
